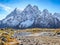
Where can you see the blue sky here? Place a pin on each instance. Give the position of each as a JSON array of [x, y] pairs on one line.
[[6, 6]]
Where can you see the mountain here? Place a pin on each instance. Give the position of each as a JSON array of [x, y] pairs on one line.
[[31, 17], [57, 15], [11, 19]]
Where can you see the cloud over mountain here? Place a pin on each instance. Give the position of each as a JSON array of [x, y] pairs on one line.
[[6, 8]]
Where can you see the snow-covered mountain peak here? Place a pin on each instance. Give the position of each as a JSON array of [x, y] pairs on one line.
[[29, 5], [15, 9], [35, 7], [15, 12], [45, 11], [28, 8], [31, 16]]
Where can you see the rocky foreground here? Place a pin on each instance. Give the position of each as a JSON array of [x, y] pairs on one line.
[[39, 40]]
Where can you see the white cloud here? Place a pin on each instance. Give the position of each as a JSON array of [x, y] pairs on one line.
[[2, 16], [6, 8]]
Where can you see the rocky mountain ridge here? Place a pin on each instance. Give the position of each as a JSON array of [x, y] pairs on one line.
[[31, 17]]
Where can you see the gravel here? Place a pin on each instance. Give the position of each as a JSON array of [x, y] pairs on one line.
[[39, 40]]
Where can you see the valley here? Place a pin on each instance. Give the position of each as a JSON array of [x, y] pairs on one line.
[[32, 36]]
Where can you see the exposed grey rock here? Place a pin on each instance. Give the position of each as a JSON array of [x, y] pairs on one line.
[[30, 17]]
